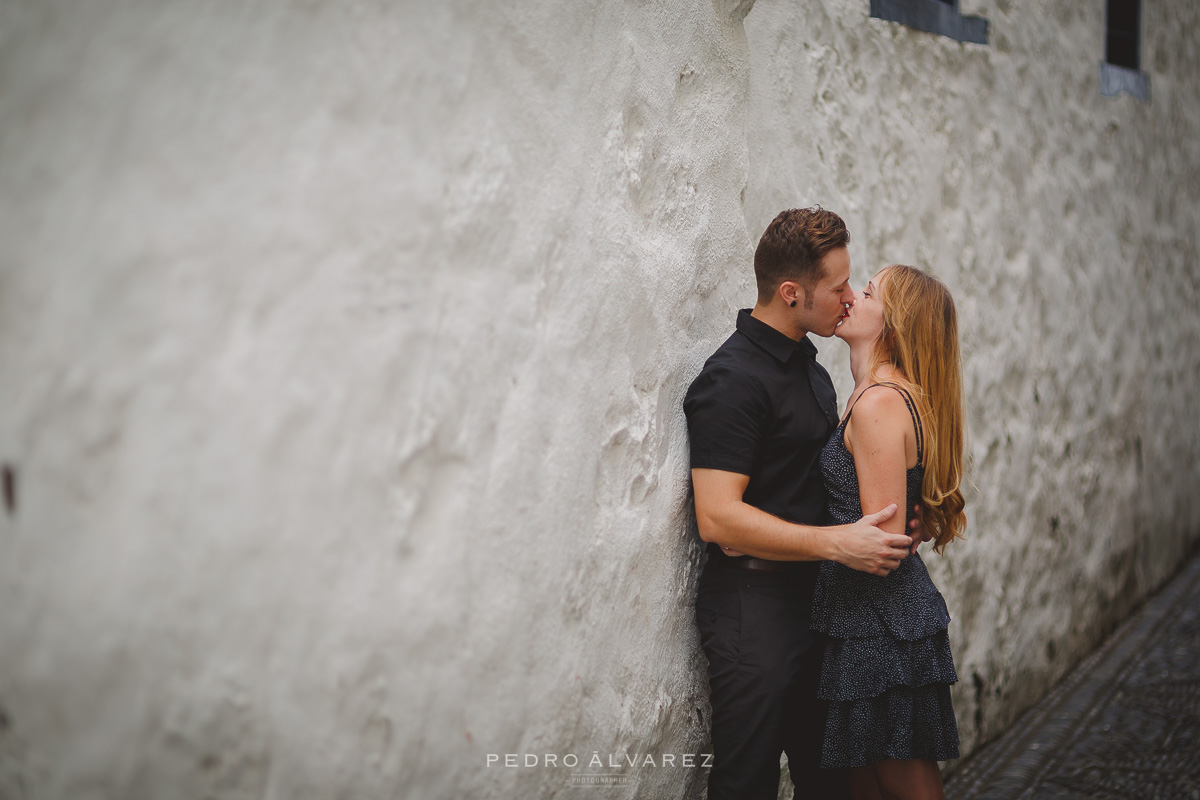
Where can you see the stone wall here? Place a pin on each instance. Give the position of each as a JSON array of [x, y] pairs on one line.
[[342, 346], [1064, 223]]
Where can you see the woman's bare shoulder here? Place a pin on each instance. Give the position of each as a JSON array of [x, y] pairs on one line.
[[879, 419], [881, 400]]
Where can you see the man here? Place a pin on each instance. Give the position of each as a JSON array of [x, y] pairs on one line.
[[758, 415]]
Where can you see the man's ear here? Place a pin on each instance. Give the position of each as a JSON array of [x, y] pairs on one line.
[[791, 293], [794, 294]]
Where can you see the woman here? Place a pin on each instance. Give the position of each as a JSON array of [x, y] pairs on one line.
[[887, 666]]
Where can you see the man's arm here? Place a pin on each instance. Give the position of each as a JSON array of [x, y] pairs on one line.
[[722, 516]]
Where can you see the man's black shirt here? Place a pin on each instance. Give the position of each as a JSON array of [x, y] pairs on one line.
[[763, 407]]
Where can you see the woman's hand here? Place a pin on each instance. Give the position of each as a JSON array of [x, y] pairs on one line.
[[917, 530]]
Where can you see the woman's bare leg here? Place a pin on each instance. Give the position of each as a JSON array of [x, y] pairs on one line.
[[916, 779], [863, 784]]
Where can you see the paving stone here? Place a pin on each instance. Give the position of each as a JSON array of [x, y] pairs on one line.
[[1123, 725]]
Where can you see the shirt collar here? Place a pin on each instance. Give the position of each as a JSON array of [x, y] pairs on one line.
[[777, 344]]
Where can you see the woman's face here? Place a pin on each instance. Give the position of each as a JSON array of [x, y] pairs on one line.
[[863, 321]]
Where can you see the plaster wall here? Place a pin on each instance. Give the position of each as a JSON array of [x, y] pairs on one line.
[[342, 347], [1064, 223]]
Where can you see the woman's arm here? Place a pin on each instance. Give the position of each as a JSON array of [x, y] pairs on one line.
[[877, 436]]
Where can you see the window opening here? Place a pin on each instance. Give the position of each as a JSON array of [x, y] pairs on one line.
[[932, 16], [1120, 71], [1123, 33]]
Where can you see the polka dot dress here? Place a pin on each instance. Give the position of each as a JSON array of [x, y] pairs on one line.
[[887, 670]]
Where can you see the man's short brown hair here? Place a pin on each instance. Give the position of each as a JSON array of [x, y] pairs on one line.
[[792, 246]]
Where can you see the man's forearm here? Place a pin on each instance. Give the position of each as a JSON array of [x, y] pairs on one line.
[[750, 530]]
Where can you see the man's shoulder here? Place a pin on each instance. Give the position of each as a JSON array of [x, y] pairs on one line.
[[737, 358], [730, 376]]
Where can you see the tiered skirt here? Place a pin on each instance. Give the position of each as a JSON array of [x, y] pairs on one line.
[[887, 668]]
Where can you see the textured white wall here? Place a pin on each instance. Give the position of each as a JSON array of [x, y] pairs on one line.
[[343, 352], [342, 346], [1065, 224]]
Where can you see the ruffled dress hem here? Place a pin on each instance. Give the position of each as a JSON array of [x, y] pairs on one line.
[[902, 723]]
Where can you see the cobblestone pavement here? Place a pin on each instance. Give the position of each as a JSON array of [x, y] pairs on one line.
[[1123, 725]]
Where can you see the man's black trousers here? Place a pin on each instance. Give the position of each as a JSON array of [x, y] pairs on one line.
[[764, 663]]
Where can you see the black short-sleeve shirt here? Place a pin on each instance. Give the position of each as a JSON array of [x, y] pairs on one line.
[[763, 407]]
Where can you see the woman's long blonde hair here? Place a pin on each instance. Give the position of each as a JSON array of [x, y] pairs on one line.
[[920, 339]]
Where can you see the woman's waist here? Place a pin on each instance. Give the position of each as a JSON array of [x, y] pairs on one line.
[[910, 574], [844, 510]]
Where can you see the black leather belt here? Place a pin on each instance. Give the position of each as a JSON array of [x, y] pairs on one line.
[[759, 564], [749, 562]]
